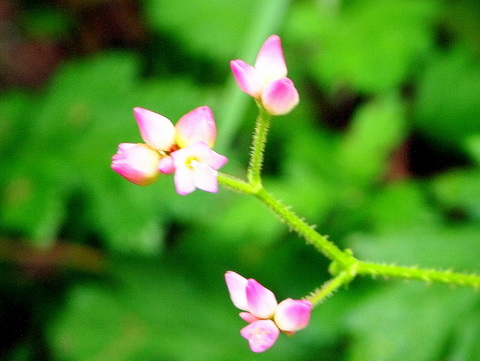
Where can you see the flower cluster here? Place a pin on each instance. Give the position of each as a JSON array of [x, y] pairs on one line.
[[184, 149], [265, 316], [267, 80]]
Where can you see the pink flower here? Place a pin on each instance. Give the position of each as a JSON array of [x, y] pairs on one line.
[[196, 167], [197, 125], [156, 130], [261, 334], [266, 81], [137, 163], [265, 316], [184, 149]]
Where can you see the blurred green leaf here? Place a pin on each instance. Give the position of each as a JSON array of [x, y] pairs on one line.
[[378, 128], [85, 114], [406, 322], [459, 192], [211, 28], [472, 145], [399, 206], [428, 246], [465, 345], [447, 106], [47, 23], [15, 111], [368, 45], [165, 316]]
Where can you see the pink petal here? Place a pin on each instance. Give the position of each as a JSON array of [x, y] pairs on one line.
[[280, 97], [248, 317], [248, 79], [197, 125], [156, 130], [183, 181], [270, 62], [237, 285], [204, 177], [261, 301], [137, 163], [166, 165], [261, 335], [293, 315]]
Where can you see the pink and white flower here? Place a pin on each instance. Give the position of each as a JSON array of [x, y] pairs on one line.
[[196, 167], [184, 149], [267, 80], [265, 316]]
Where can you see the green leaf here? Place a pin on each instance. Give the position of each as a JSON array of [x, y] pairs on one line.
[[370, 45], [465, 345], [399, 206], [472, 145], [459, 192], [46, 23], [59, 175], [149, 312], [378, 128], [210, 28], [427, 246], [447, 107], [32, 200], [406, 322]]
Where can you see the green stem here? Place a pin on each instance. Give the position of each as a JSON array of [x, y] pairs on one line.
[[295, 223], [305, 230], [327, 289], [258, 148], [345, 266], [234, 183], [414, 273]]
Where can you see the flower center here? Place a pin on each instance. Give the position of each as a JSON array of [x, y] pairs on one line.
[[191, 162]]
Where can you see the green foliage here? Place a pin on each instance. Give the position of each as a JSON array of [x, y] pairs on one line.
[[210, 28], [363, 154], [389, 325], [71, 137], [447, 107], [163, 317], [367, 45]]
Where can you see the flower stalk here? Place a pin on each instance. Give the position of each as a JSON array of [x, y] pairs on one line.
[[259, 141], [345, 266]]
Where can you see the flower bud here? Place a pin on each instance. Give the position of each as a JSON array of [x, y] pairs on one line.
[[137, 163], [280, 97], [293, 315]]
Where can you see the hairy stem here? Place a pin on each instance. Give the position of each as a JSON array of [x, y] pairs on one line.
[[414, 273], [344, 265], [305, 230], [258, 148], [321, 243], [327, 289]]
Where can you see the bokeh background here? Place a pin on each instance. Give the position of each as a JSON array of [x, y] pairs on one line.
[[382, 154]]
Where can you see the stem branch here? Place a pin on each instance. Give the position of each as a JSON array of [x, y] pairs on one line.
[[414, 273], [327, 289]]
